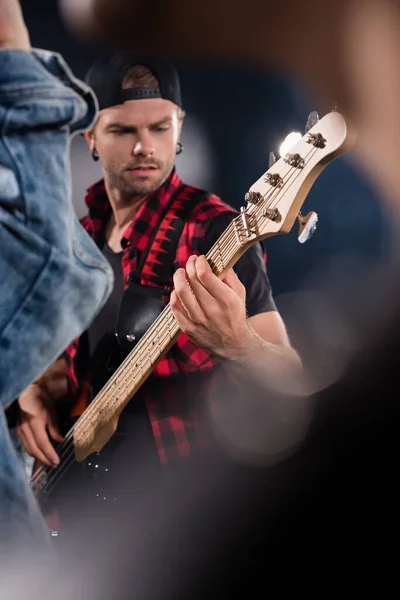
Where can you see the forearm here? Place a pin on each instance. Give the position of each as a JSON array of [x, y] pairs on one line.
[[267, 364]]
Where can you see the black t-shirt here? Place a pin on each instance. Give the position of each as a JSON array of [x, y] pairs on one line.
[[105, 322]]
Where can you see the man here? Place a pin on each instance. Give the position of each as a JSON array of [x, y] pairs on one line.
[[136, 137], [47, 261]]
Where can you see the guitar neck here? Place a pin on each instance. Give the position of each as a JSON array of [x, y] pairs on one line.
[[159, 338], [163, 333]]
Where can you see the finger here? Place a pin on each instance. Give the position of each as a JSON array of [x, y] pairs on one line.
[[42, 440], [24, 441], [180, 313], [233, 281], [54, 430], [34, 449], [217, 288], [187, 297], [203, 296], [176, 304]]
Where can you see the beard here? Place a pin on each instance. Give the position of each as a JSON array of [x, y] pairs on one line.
[[123, 179]]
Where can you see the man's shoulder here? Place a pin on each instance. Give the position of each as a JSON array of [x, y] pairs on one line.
[[208, 205]]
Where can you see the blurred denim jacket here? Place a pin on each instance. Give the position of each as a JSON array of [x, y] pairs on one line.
[[53, 279]]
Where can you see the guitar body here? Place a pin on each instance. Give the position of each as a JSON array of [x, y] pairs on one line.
[[84, 484], [83, 487]]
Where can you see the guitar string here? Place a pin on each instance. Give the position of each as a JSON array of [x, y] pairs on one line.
[[83, 423]]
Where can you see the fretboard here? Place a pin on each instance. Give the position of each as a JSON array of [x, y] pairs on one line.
[[162, 334]]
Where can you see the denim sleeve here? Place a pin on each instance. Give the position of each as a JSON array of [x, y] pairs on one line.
[[53, 279], [42, 74]]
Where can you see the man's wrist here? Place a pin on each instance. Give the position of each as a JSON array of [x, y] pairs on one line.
[[14, 33], [249, 343], [14, 45], [20, 41]]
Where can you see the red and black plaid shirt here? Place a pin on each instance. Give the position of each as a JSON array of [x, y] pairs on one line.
[[174, 420]]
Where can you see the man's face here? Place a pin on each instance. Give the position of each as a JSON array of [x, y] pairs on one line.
[[136, 142]]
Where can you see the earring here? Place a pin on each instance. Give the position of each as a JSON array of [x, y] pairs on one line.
[[95, 155], [179, 148]]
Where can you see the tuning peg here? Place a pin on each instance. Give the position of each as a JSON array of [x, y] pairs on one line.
[[271, 160], [308, 225], [312, 120]]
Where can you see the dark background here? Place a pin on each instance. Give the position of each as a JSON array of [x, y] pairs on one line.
[[235, 116]]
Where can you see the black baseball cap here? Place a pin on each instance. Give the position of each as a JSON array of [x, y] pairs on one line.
[[106, 75]]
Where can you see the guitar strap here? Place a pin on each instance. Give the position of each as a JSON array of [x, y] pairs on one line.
[[141, 304], [157, 261]]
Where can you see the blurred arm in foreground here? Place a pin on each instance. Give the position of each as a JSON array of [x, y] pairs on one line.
[[52, 277]]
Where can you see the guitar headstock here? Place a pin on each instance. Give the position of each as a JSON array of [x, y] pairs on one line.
[[275, 199]]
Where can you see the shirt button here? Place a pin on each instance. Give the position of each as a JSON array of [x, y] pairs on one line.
[[125, 243]]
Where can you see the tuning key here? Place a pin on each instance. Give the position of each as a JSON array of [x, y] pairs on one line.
[[312, 120], [308, 225]]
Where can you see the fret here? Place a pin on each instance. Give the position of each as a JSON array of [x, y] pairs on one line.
[[221, 258], [124, 379], [168, 323], [140, 362], [149, 345], [115, 389], [158, 338], [225, 248], [132, 372]]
